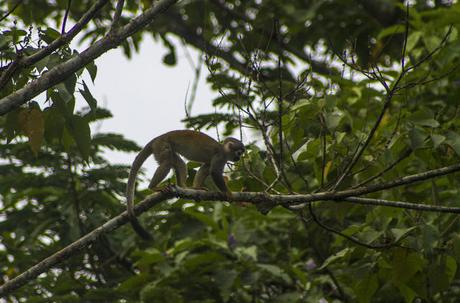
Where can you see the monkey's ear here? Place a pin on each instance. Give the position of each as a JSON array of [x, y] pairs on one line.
[[231, 145], [228, 146]]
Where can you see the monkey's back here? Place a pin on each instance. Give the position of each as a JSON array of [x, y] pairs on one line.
[[193, 145]]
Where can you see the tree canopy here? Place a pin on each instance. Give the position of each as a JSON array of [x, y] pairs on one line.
[[348, 191]]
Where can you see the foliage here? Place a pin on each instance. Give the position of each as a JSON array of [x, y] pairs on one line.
[[309, 81]]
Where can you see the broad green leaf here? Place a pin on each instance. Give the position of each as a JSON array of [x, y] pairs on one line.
[[80, 131], [276, 271], [289, 297], [451, 268], [417, 138], [406, 265], [408, 293], [92, 70], [54, 124], [225, 280], [391, 30], [424, 118], [344, 253], [412, 40], [160, 294], [333, 119], [12, 126], [437, 140], [399, 233], [453, 140], [366, 287], [250, 252], [204, 218], [92, 102]]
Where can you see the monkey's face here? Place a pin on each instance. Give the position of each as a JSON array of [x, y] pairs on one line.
[[234, 149], [237, 154]]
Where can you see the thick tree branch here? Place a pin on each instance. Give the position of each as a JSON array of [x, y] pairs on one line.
[[65, 69], [402, 204], [62, 40], [262, 200]]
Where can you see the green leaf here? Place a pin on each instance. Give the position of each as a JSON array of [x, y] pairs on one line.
[[275, 271], [451, 268], [92, 102], [391, 30], [160, 294], [170, 59], [70, 83], [333, 119], [399, 233], [437, 140], [417, 138], [408, 293], [149, 257], [366, 287], [92, 70], [204, 218], [423, 118], [250, 252], [54, 124], [335, 257], [12, 124], [50, 34], [225, 279], [5, 40], [80, 131], [453, 140], [412, 40]]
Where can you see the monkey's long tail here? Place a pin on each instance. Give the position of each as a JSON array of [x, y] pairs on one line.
[[137, 164]]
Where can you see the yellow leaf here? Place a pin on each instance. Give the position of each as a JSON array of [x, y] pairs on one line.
[[32, 124], [327, 168], [385, 119]]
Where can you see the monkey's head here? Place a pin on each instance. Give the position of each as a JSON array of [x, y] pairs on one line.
[[233, 148]]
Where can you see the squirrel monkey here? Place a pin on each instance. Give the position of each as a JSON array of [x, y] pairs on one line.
[[194, 146]]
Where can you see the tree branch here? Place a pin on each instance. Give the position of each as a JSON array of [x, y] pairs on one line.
[[405, 205], [297, 201], [261, 199], [11, 10], [42, 53], [65, 69], [80, 244]]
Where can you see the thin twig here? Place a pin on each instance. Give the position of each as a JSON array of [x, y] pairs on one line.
[[117, 15], [11, 10], [350, 238], [406, 153], [66, 15]]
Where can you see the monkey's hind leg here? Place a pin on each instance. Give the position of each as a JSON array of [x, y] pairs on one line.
[[163, 154], [161, 173]]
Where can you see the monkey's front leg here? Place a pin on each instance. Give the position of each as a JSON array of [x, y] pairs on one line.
[[200, 176]]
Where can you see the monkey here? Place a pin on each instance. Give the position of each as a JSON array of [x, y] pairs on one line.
[[192, 145]]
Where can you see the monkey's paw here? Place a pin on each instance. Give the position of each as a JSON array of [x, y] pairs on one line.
[[155, 189], [200, 188], [167, 189]]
